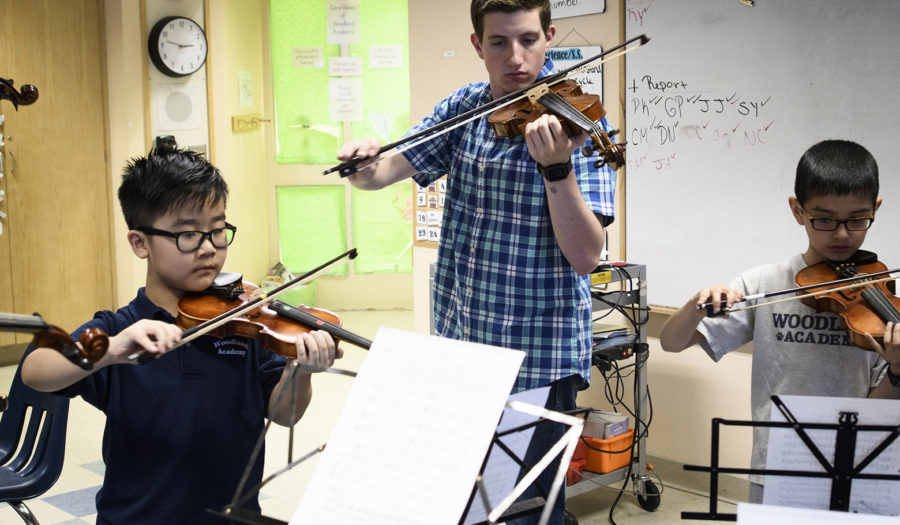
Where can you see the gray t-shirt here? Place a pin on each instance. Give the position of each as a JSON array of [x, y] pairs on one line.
[[796, 351]]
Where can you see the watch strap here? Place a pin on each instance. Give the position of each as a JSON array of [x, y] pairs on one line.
[[555, 172]]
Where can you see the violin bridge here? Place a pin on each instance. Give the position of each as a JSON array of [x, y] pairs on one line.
[[536, 93]]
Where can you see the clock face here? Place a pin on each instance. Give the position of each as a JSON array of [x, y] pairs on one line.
[[177, 46]]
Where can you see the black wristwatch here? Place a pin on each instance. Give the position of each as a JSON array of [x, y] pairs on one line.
[[555, 172], [892, 378]]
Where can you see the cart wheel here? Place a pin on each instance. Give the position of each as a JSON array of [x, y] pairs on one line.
[[651, 501], [569, 518]]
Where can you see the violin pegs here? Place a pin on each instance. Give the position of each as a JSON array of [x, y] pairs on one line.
[[600, 163], [612, 133], [587, 151]]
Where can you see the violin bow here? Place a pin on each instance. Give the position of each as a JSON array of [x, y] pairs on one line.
[[856, 282], [351, 166], [203, 328]]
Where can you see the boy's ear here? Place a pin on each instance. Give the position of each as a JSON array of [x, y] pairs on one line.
[[796, 210], [139, 244], [877, 203]]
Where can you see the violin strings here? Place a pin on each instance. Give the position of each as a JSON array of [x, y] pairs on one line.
[[875, 297]]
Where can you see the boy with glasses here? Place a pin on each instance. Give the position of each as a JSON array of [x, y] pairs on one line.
[[796, 350], [180, 429]]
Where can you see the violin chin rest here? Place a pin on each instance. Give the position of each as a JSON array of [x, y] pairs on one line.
[[227, 279]]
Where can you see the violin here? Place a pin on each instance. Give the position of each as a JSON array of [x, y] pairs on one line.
[[862, 309], [27, 95], [274, 326], [94, 342], [578, 112], [226, 308]]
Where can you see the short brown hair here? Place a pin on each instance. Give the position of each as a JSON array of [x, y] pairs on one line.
[[480, 8]]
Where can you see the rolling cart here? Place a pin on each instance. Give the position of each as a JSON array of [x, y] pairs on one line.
[[622, 287]]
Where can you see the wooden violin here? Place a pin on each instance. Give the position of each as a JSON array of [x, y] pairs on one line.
[[862, 309], [27, 95], [578, 112], [226, 309], [94, 342], [273, 325]]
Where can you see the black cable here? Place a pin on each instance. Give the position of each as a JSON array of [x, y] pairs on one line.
[[614, 383]]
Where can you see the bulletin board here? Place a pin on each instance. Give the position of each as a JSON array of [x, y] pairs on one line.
[[720, 106], [429, 210], [336, 61]]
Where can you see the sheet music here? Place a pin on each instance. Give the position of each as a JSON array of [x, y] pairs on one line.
[[751, 514], [502, 471], [787, 451], [413, 433]]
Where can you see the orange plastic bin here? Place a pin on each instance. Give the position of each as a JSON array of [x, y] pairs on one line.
[[603, 462]]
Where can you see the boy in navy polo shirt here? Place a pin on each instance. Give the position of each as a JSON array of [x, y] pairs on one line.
[[180, 429]]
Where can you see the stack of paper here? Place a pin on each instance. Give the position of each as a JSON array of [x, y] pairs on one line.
[[605, 425]]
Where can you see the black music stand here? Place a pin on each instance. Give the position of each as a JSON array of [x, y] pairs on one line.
[[523, 507], [842, 470]]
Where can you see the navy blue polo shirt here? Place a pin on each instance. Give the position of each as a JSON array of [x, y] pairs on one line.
[[180, 429]]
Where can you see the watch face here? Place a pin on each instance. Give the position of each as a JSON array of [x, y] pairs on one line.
[[177, 46]]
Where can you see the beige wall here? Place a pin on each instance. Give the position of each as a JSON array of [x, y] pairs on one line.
[[687, 389]]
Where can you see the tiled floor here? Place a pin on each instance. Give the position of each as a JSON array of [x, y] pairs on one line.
[[71, 500]]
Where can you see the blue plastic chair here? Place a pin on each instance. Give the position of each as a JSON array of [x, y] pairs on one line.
[[32, 445]]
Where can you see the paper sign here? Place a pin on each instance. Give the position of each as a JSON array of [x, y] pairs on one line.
[[345, 99], [568, 8], [245, 88], [590, 79], [343, 22], [345, 66], [385, 56], [307, 57]]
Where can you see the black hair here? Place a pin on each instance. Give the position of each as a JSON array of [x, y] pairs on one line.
[[836, 167], [479, 8], [168, 179]]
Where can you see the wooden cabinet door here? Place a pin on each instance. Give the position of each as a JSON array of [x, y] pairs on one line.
[[56, 246]]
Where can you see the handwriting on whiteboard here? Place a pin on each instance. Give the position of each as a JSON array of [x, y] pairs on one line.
[[665, 113]]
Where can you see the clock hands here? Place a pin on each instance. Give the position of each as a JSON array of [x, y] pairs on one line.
[[179, 45]]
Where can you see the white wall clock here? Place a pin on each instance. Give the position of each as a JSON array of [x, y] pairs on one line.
[[177, 46]]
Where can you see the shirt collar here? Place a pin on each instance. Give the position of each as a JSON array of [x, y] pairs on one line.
[[147, 309], [547, 70]]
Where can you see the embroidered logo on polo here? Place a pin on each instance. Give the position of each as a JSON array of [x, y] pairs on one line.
[[810, 329], [231, 347]]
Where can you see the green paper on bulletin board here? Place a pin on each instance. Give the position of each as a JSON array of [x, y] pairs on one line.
[[312, 227], [301, 83], [382, 229]]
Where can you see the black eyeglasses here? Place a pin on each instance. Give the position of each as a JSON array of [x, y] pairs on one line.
[[190, 241], [854, 224]]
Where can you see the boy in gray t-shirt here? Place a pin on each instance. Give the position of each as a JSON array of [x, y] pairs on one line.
[[797, 350]]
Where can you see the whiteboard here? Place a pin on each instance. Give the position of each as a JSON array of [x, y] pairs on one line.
[[719, 107]]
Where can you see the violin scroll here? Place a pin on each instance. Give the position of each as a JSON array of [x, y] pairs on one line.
[[94, 342], [27, 95]]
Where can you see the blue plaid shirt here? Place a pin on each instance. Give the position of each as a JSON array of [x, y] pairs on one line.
[[501, 278]]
